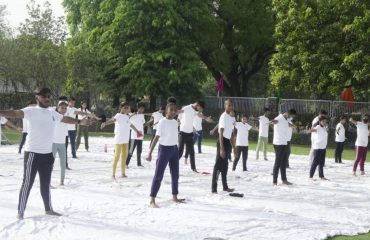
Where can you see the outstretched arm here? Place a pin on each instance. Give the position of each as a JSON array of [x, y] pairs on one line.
[[9, 124], [213, 130], [69, 120], [12, 113], [152, 146], [207, 119], [108, 122]]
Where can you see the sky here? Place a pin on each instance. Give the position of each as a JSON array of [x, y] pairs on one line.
[[17, 12]]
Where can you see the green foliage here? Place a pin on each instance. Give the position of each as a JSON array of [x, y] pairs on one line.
[[322, 47]]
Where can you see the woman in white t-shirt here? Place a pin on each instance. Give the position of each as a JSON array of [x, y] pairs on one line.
[[168, 154], [60, 133], [121, 137], [319, 147], [154, 119], [242, 141], [340, 137], [362, 141]]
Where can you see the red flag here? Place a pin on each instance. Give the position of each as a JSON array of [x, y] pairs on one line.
[[347, 95], [220, 84]]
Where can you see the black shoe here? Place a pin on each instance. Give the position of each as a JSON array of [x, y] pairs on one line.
[[287, 183], [194, 170], [68, 168]]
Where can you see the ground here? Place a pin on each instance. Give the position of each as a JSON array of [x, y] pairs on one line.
[[96, 208]]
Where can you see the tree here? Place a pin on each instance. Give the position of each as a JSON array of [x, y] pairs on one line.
[[322, 47]]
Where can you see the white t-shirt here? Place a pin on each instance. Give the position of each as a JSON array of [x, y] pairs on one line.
[[197, 124], [314, 121], [121, 128], [168, 132], [227, 123], [281, 129], [138, 120], [341, 137], [71, 113], [290, 131], [60, 132], [320, 138], [242, 134], [157, 116], [80, 116], [41, 123], [2, 121], [25, 126], [187, 119], [362, 134], [263, 126]]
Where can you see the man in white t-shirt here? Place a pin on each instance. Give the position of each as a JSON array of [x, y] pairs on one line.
[[340, 137], [186, 129], [263, 133], [154, 119], [361, 143], [138, 120], [280, 141], [226, 132], [38, 156], [315, 122]]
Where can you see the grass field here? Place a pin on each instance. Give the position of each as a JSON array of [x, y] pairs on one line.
[[349, 154]]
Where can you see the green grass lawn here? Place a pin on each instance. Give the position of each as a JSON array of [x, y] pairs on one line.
[[348, 154]]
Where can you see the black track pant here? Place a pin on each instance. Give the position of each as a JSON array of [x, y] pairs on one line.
[[241, 150], [338, 151], [221, 165], [33, 163], [318, 160], [186, 140], [281, 155], [133, 144]]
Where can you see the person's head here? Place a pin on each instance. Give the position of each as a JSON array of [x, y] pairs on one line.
[[62, 98], [323, 121], [228, 105], [266, 112], [171, 100], [125, 108], [31, 102], [83, 104], [162, 109], [200, 105], [62, 107], [365, 118], [72, 102], [43, 96], [244, 118], [140, 107], [323, 113], [343, 119], [291, 113], [171, 110]]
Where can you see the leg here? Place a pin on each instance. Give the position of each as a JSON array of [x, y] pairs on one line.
[[357, 160], [174, 170], [337, 147], [200, 139], [278, 160], [236, 160], [284, 163], [322, 153], [117, 153], [259, 144], [190, 149], [72, 137], [181, 144], [216, 171], [363, 158], [124, 154], [340, 152], [315, 162], [162, 161], [63, 157], [265, 142], [23, 140], [225, 165], [79, 134], [66, 147], [86, 137], [45, 168], [245, 157], [288, 154], [132, 147], [29, 174], [139, 144]]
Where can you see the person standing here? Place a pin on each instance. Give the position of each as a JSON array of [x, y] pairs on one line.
[[340, 137], [242, 142], [361, 143], [25, 127], [168, 154], [186, 129], [319, 147], [60, 133], [280, 142], [313, 124], [122, 126], [138, 120], [38, 156], [83, 130], [225, 133], [263, 133]]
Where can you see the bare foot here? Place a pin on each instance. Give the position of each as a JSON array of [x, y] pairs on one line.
[[324, 178], [114, 178], [124, 176], [52, 213], [179, 200], [20, 216], [153, 205], [362, 173], [354, 174], [287, 182], [229, 189]]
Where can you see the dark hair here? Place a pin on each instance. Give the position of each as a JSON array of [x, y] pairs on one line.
[[244, 115], [171, 104], [202, 104], [171, 100], [31, 102], [322, 118], [228, 100], [83, 101], [140, 105], [42, 91], [266, 109], [62, 103], [124, 104], [72, 99], [63, 98], [163, 107], [292, 111], [323, 112], [343, 117]]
